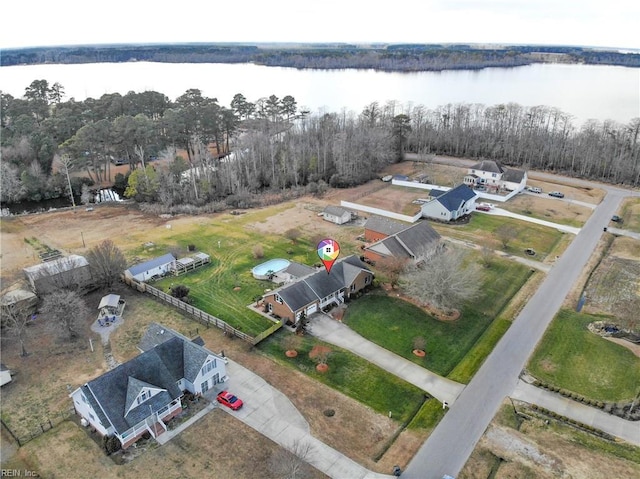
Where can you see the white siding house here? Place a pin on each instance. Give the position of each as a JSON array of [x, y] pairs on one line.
[[450, 206], [336, 214], [141, 395], [154, 267]]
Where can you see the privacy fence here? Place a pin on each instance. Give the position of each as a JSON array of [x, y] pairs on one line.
[[199, 315]]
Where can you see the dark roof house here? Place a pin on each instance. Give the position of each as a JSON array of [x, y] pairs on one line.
[[319, 289], [417, 241], [455, 203], [140, 395]]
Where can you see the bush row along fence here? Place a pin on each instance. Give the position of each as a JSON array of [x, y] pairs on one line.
[[200, 315], [24, 437]]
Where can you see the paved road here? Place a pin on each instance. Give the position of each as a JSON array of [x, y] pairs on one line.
[[451, 444]]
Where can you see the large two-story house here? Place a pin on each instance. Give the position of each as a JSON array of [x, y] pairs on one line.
[[141, 395], [493, 177]]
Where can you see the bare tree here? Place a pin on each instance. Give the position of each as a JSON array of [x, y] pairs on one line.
[[293, 234], [15, 319], [392, 267], [320, 353], [107, 263], [65, 312], [65, 163], [506, 233], [443, 280], [292, 463]]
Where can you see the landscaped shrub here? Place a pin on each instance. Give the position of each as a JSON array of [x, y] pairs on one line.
[[258, 251], [111, 444]]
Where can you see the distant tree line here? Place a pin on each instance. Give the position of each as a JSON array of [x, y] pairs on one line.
[[233, 155], [400, 57]]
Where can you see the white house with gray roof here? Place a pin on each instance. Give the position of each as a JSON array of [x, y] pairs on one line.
[[141, 395], [336, 214], [154, 267], [454, 204], [493, 177]]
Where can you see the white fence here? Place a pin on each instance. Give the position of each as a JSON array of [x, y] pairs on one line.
[[481, 194], [378, 211]]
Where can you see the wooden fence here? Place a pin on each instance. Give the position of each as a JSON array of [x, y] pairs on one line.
[[199, 315]]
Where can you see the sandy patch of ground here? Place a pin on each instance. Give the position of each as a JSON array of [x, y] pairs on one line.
[[634, 348]]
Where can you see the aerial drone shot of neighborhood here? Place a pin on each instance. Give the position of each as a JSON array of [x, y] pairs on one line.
[[322, 257]]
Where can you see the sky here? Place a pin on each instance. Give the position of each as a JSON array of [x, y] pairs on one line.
[[597, 23]]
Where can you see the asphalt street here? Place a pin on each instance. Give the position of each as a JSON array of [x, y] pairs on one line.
[[450, 445]]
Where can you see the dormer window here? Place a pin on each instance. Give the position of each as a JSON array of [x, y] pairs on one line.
[[208, 367], [144, 395]]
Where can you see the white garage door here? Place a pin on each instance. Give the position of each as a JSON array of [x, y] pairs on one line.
[[312, 309]]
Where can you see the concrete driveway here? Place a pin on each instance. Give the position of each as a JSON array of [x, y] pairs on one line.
[[272, 414], [335, 332]]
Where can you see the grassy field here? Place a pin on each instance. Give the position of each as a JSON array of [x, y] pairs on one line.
[[352, 376], [630, 213], [393, 323], [482, 229], [571, 357]]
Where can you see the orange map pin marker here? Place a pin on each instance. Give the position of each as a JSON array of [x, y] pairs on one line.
[[328, 252]]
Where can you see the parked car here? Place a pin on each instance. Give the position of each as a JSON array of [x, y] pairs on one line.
[[534, 189], [556, 194], [616, 219], [227, 399], [483, 207], [387, 178]]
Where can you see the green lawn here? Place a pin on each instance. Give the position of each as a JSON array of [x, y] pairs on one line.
[[529, 235], [226, 286], [351, 375], [393, 323], [572, 358]]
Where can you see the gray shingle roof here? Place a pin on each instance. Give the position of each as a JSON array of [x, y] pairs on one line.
[[335, 210], [489, 166], [383, 225], [152, 263], [411, 242], [167, 358], [108, 393], [513, 174], [299, 270], [319, 284]]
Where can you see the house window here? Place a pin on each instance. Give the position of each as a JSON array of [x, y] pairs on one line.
[[367, 279], [493, 175], [84, 398], [92, 417], [352, 287], [143, 396], [204, 387], [277, 298], [208, 367]]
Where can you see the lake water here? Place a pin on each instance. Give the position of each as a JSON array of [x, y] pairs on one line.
[[584, 91]]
